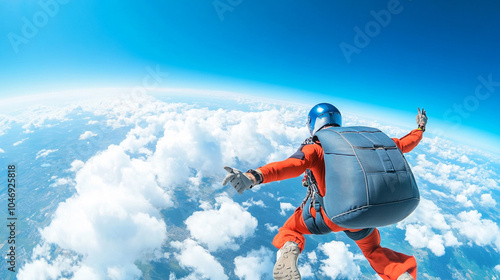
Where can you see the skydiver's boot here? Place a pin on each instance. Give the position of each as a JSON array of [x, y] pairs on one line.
[[405, 276], [286, 264]]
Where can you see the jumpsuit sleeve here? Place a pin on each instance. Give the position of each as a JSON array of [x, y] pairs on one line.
[[292, 166], [409, 141]]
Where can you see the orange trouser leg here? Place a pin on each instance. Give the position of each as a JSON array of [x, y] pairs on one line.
[[293, 230], [387, 263]]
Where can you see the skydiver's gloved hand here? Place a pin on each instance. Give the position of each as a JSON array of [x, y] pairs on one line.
[[239, 180], [422, 119]]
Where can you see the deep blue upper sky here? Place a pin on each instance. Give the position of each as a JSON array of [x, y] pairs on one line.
[[393, 54]]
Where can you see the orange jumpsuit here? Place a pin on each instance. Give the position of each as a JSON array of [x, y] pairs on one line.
[[386, 262]]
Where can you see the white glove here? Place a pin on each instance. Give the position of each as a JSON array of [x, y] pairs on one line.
[[422, 119], [238, 179]]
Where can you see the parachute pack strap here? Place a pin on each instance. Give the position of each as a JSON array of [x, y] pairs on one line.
[[312, 181], [311, 187], [309, 193], [316, 225], [318, 202]]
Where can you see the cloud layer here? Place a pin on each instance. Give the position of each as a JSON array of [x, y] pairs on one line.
[[123, 192]]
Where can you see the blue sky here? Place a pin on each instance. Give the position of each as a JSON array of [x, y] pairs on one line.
[[399, 55]]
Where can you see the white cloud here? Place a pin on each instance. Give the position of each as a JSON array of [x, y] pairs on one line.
[[438, 173], [211, 139], [191, 255], [1, 151], [256, 139], [61, 182], [497, 268], [285, 206], [450, 239], [339, 262], [92, 122], [464, 159], [43, 269], [465, 180], [306, 269], [447, 150], [479, 231], [39, 116], [139, 137], [271, 228], [86, 135], [440, 194], [46, 268], [255, 265], [487, 200], [221, 228], [44, 153], [464, 200], [115, 207], [5, 123], [76, 165], [39, 269], [427, 228], [312, 256], [252, 202], [20, 141], [449, 166], [427, 213], [420, 236]]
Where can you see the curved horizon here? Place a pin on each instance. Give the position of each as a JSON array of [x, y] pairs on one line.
[[485, 141]]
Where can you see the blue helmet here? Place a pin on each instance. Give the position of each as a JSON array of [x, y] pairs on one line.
[[321, 115]]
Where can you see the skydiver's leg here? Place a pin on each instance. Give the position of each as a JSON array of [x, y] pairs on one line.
[[387, 263], [293, 230], [290, 241]]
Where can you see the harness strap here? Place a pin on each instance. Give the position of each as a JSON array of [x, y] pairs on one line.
[[316, 225]]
